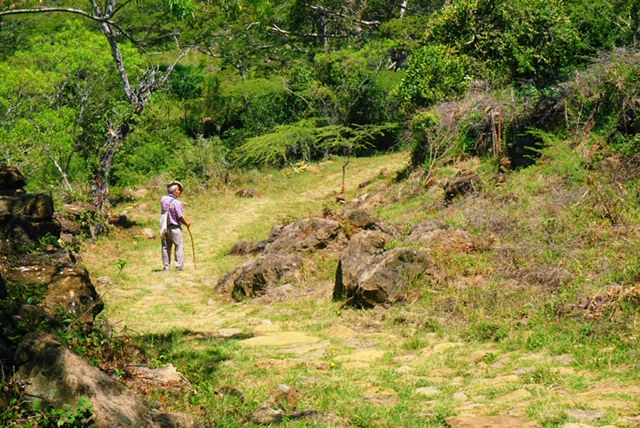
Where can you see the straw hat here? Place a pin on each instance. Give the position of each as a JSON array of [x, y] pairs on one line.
[[177, 183]]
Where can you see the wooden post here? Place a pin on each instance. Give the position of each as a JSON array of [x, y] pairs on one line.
[[344, 167], [496, 130]]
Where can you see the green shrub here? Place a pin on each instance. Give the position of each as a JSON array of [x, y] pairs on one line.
[[434, 74], [604, 99], [204, 159]]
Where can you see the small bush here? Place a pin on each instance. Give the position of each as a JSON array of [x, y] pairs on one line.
[[604, 99]]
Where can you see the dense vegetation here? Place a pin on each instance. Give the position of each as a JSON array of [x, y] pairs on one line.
[[274, 83]]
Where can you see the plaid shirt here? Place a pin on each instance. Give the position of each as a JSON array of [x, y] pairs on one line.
[[176, 212]]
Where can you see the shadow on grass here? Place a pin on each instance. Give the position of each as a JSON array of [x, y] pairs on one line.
[[195, 354]]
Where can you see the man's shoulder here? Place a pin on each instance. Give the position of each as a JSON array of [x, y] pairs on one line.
[[168, 199]]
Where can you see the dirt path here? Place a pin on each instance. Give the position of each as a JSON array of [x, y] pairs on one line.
[[370, 361], [146, 300]]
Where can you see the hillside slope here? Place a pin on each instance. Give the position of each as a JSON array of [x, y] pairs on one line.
[[503, 340]]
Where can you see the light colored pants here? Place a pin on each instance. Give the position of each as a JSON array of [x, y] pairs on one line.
[[172, 237]]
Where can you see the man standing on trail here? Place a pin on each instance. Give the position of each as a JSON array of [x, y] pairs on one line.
[[173, 236]]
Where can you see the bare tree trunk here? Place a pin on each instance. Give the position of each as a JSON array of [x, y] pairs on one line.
[[403, 8], [115, 137], [322, 30], [138, 98], [63, 173]]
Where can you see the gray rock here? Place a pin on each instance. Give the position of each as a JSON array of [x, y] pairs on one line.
[[255, 277], [371, 276], [69, 288], [306, 234], [356, 257], [53, 373], [29, 206], [364, 220]]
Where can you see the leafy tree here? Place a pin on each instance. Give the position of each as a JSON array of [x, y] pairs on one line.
[[605, 24], [521, 39], [137, 94], [350, 88], [54, 96]]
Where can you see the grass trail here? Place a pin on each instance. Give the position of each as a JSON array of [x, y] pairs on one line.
[[147, 300]]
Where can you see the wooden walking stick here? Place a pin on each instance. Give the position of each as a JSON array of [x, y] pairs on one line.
[[193, 248]]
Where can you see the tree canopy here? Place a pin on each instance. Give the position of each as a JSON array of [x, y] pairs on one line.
[[100, 92]]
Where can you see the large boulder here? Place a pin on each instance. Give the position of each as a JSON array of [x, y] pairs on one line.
[[72, 291], [388, 278], [362, 248], [305, 234], [255, 277], [30, 206], [67, 287], [371, 276], [53, 373], [26, 219]]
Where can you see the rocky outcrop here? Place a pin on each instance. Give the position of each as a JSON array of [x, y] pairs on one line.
[[255, 277], [54, 374], [242, 248], [362, 219], [306, 234], [67, 287], [369, 275], [79, 218], [362, 248], [12, 181], [302, 235], [24, 218]]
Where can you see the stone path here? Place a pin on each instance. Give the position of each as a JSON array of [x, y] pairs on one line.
[[486, 387]]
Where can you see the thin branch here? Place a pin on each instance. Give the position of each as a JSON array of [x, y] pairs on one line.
[[343, 16], [274, 27], [81, 12]]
